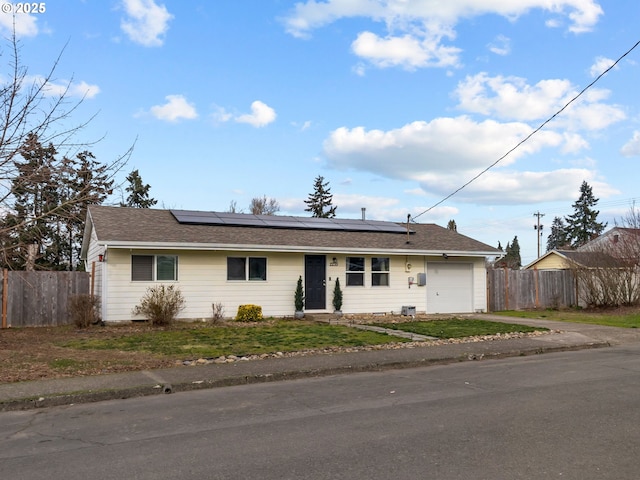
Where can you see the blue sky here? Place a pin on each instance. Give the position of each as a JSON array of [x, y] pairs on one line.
[[397, 103]]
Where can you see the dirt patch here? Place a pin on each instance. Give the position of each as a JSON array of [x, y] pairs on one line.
[[35, 353]]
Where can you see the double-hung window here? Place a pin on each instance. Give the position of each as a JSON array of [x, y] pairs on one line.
[[150, 268], [247, 268], [355, 271], [380, 271]]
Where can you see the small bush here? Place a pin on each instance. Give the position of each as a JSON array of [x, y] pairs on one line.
[[337, 296], [298, 296], [218, 312], [249, 313], [160, 305], [84, 310]]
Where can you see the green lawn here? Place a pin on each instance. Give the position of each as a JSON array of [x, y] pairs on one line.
[[214, 341], [457, 327], [627, 320]]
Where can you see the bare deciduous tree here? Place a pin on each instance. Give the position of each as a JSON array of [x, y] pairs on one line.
[[264, 206], [608, 272], [34, 107]]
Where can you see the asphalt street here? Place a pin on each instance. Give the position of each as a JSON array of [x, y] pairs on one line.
[[570, 415]]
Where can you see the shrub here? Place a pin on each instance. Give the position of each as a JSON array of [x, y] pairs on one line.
[[160, 305], [218, 312], [298, 298], [84, 310], [337, 296], [249, 313]]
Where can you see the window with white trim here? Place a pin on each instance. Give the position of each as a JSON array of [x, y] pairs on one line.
[[247, 268], [355, 271], [150, 268], [380, 271]]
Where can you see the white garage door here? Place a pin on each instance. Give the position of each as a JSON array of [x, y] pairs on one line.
[[449, 287]]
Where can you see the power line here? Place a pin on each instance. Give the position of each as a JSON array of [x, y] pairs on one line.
[[540, 127]]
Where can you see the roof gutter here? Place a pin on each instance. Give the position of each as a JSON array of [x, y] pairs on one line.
[[290, 249]]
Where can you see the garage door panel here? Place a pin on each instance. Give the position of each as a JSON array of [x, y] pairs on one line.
[[449, 287]]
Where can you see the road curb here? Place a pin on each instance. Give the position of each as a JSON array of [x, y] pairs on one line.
[[133, 391]]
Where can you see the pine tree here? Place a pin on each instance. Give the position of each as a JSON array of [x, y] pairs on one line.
[[558, 237], [138, 192], [320, 201], [35, 197], [90, 183], [45, 224], [582, 225], [452, 225], [511, 258]]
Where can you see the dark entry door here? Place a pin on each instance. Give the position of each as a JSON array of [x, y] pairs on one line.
[[315, 285]]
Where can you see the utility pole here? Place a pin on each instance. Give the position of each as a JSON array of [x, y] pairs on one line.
[[538, 228]]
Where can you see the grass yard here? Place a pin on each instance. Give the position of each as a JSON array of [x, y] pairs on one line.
[[215, 341], [625, 318], [54, 352], [458, 328]]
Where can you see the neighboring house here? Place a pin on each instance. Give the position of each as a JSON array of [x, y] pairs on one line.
[[619, 242], [567, 259], [234, 259]]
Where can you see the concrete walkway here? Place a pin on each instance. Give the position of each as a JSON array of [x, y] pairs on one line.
[[37, 394]]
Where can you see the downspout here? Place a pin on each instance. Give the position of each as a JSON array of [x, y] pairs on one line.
[[103, 287]]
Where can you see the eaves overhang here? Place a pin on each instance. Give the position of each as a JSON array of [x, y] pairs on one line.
[[289, 249]]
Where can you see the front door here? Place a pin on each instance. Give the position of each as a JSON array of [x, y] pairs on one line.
[[315, 285]]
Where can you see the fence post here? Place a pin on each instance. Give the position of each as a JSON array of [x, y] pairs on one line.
[[506, 289], [5, 287], [536, 279]]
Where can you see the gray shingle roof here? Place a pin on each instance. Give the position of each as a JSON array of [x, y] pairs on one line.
[[139, 226]]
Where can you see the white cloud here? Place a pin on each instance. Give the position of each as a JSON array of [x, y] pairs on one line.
[[176, 108], [513, 98], [416, 29], [261, 115], [442, 145], [516, 188], [407, 51], [632, 147], [146, 22], [220, 115], [501, 45], [600, 65], [445, 153], [63, 87], [25, 25]]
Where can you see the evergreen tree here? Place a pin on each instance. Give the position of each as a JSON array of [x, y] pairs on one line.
[[452, 225], [511, 258], [582, 225], [90, 183], [138, 192], [30, 236], [558, 237], [320, 201], [45, 224]]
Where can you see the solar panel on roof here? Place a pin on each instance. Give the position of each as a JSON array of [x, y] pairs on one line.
[[193, 217]]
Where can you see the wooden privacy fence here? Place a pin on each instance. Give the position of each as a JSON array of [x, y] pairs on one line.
[[526, 289], [38, 299]]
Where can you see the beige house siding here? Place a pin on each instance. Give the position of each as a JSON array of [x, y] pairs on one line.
[[551, 262], [202, 278]]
